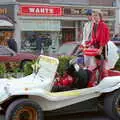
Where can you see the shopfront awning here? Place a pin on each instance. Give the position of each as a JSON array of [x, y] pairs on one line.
[[5, 23]]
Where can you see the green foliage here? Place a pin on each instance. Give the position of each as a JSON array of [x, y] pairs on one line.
[[16, 70], [117, 66], [27, 70], [63, 63], [2, 69]]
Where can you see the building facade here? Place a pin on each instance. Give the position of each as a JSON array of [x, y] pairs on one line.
[[117, 25], [56, 21], [6, 12]]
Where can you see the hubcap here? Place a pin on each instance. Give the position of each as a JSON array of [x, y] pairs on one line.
[[26, 113]]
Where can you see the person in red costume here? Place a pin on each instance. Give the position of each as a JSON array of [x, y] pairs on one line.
[[63, 83], [100, 38]]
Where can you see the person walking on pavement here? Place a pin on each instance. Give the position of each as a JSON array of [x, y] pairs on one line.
[[12, 44], [39, 43]]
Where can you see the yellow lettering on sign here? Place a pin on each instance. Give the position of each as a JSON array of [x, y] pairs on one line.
[[3, 11]]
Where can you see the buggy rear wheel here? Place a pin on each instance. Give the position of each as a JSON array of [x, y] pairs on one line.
[[112, 105], [24, 109]]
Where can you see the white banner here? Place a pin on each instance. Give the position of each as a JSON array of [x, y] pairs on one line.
[[40, 25]]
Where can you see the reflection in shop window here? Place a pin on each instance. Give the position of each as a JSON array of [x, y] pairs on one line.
[[108, 12], [29, 41]]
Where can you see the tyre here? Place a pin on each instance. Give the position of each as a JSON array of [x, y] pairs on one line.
[[24, 109], [112, 105]]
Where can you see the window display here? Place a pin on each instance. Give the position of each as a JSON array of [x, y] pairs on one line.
[[36, 41], [4, 35]]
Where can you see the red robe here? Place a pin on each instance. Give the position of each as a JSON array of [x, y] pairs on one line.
[[100, 38], [102, 35]]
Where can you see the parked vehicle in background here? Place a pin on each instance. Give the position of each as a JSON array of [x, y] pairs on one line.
[[117, 42], [68, 49], [8, 55]]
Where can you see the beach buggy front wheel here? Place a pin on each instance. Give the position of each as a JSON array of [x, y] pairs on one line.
[[24, 109], [112, 105]]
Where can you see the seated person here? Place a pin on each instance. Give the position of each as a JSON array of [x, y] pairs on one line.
[[72, 79], [63, 83]]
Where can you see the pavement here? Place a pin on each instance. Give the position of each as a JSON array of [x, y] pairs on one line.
[[1, 117], [81, 116]]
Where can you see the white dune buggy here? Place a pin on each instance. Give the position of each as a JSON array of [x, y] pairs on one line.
[[29, 97]]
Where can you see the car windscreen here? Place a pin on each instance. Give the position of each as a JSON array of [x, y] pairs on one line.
[[6, 51], [66, 49]]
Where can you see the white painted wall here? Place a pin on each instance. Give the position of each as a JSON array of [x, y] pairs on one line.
[[7, 1], [117, 21], [86, 2]]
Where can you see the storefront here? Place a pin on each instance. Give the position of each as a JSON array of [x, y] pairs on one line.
[[55, 24], [7, 13], [32, 26], [79, 14]]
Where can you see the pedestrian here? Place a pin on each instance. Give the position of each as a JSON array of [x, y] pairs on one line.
[[87, 35], [39, 43], [12, 44], [100, 38], [87, 27]]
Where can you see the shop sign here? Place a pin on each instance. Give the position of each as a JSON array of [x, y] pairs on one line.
[[7, 10], [3, 11], [74, 11], [82, 11], [40, 10]]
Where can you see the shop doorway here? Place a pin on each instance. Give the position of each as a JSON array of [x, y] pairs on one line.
[[68, 35]]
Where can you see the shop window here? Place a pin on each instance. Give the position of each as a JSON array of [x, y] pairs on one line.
[[67, 11], [68, 35], [108, 12], [30, 41], [74, 11], [68, 31], [4, 35]]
